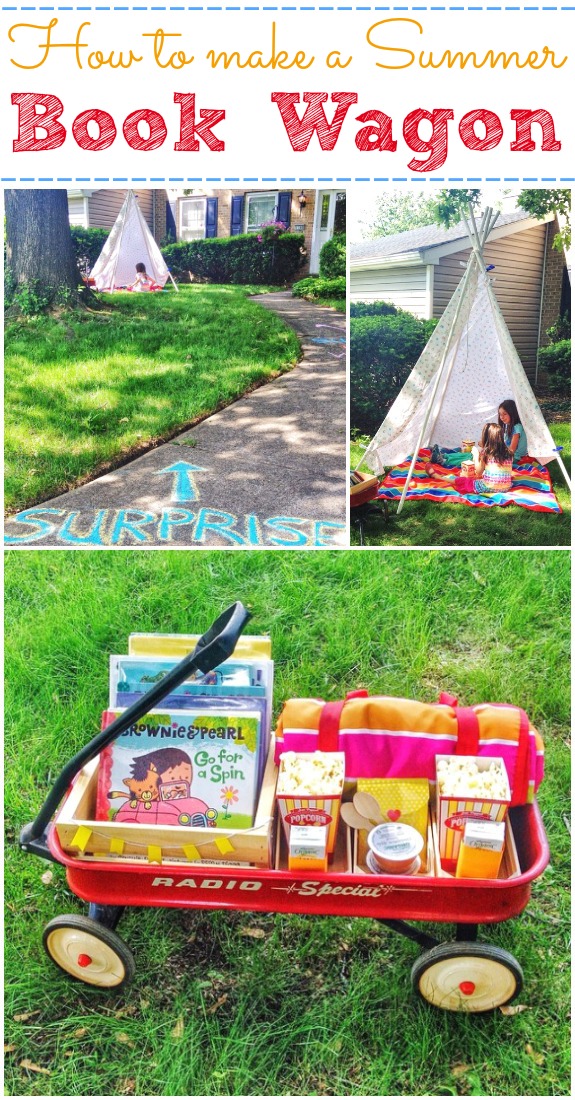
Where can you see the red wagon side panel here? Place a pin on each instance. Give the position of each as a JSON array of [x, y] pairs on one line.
[[418, 898], [274, 891]]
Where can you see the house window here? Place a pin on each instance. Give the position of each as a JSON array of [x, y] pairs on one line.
[[339, 219], [324, 219], [260, 209], [192, 219]]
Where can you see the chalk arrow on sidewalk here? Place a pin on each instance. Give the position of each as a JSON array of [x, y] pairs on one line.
[[184, 485]]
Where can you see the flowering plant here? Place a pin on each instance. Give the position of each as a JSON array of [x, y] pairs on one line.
[[271, 230]]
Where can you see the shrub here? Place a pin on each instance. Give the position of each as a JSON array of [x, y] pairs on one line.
[[372, 309], [561, 330], [332, 257], [383, 349], [240, 259], [88, 243], [555, 360], [316, 288]]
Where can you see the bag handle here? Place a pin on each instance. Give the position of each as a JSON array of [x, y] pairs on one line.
[[468, 745], [328, 732], [521, 777], [329, 720]]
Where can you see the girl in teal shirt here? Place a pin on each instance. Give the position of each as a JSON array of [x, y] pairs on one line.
[[513, 430]]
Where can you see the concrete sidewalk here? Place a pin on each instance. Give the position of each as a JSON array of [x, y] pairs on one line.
[[268, 470]]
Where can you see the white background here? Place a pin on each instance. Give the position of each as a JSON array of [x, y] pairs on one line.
[[257, 148]]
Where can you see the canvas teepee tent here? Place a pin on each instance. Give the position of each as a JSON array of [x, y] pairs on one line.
[[130, 242], [468, 367]]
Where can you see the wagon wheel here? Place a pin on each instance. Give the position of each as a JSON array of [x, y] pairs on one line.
[[467, 977], [89, 951]]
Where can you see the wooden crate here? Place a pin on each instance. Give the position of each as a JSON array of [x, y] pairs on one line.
[[364, 491], [82, 836]]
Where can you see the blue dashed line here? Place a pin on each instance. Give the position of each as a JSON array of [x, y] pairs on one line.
[[287, 179], [291, 8]]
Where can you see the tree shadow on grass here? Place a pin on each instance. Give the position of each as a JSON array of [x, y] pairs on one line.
[[160, 366]]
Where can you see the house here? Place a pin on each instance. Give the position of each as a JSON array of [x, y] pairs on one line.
[[208, 213], [418, 270]]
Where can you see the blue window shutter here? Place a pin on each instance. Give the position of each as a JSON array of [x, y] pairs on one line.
[[211, 217], [284, 208], [237, 215], [170, 222]]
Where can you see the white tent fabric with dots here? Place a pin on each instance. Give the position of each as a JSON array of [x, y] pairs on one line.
[[130, 243], [468, 367]]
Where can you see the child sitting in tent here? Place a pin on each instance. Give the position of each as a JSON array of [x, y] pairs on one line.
[[513, 430], [142, 281], [492, 472]]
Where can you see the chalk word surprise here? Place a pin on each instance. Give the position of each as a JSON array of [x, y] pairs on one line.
[[135, 527]]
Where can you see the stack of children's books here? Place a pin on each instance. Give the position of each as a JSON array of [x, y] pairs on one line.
[[198, 759]]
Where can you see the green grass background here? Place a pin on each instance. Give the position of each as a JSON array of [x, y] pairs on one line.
[[242, 1004], [423, 523], [84, 389]]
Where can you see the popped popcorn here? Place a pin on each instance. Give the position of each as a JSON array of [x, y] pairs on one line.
[[310, 773], [461, 777]]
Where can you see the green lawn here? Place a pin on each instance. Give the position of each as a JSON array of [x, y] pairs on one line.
[[422, 523], [231, 1004], [85, 390]]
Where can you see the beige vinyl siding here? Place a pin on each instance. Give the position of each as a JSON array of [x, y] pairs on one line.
[[405, 287], [518, 274], [105, 205], [76, 212]]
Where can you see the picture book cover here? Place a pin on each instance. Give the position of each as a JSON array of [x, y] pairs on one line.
[[177, 645], [130, 675], [235, 683], [193, 768]]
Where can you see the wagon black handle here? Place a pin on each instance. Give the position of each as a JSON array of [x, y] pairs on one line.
[[212, 648]]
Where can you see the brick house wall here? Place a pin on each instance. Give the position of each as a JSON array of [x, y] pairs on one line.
[[159, 198], [301, 218], [101, 207], [552, 283]]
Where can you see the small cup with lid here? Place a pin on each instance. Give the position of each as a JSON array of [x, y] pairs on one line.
[[394, 849]]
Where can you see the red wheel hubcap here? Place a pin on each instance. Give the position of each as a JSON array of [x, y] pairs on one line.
[[467, 988], [84, 960]]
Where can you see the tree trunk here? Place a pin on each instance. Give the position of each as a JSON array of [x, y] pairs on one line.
[[39, 249]]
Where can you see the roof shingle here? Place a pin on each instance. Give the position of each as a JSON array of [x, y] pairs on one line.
[[427, 236]]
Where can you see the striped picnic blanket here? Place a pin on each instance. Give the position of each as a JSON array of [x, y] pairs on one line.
[[531, 487]]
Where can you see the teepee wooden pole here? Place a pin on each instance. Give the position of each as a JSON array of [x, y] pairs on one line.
[[437, 383], [176, 287], [563, 470], [477, 237]]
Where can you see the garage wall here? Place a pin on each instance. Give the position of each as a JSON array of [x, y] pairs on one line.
[[405, 287]]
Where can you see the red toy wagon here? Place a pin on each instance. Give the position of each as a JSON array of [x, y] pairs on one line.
[[459, 975]]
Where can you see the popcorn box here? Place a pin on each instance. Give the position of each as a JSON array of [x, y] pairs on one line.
[[310, 786], [453, 810], [468, 469]]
